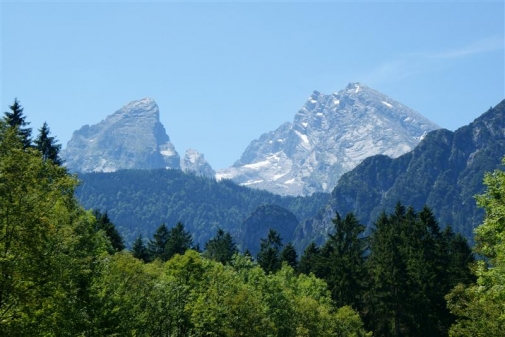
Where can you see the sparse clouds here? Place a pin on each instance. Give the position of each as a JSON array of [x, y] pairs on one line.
[[408, 65], [482, 46]]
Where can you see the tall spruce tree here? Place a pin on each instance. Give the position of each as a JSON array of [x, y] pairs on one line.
[[289, 255], [47, 145], [179, 241], [269, 255], [157, 246], [343, 261], [310, 261], [16, 119], [139, 249], [104, 224], [221, 247]]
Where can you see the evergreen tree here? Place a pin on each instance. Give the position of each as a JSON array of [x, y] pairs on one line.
[[179, 241], [139, 249], [104, 224], [343, 261], [157, 246], [289, 255], [221, 247], [47, 145], [310, 260], [387, 267], [16, 119], [269, 255]]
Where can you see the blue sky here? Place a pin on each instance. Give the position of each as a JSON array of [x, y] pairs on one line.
[[223, 73]]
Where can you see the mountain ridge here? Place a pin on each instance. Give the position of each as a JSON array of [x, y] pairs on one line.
[[329, 136], [445, 171]]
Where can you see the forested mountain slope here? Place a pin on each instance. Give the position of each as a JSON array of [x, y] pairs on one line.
[[445, 171], [138, 201]]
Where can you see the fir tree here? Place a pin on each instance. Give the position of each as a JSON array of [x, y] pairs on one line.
[[221, 247], [288, 255], [157, 246], [47, 145], [139, 249], [104, 223], [310, 260], [343, 261], [269, 255], [179, 241], [16, 119]]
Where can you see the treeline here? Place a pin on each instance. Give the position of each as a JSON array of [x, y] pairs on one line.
[[139, 200], [64, 271]]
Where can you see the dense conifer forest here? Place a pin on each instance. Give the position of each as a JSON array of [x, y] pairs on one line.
[[65, 271]]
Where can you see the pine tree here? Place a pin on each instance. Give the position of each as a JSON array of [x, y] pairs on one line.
[[47, 145], [289, 255], [16, 119], [179, 241], [343, 261], [311, 260], [104, 223], [221, 247], [157, 246], [139, 249], [269, 255]]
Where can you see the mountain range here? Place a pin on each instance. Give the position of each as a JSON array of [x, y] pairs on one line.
[[444, 171], [329, 136]]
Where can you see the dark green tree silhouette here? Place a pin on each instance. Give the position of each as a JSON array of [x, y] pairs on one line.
[[104, 223], [157, 246], [221, 247], [139, 249], [289, 255], [343, 261], [269, 255], [48, 146], [179, 241], [310, 260], [16, 119]]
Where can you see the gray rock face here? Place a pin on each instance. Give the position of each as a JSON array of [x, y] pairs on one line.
[[195, 162], [329, 136], [131, 138]]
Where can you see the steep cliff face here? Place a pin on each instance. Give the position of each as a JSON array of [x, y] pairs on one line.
[[130, 138], [329, 136]]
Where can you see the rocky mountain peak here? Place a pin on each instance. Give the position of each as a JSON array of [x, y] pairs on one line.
[[131, 138], [329, 136], [195, 162]]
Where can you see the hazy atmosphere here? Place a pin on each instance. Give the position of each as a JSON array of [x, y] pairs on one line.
[[223, 73]]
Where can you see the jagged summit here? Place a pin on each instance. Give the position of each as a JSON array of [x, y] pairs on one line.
[[329, 136], [131, 138], [195, 162]]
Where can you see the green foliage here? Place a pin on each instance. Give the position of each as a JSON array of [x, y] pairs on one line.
[[16, 120], [221, 247], [48, 246], [289, 256], [480, 307], [270, 249], [137, 201], [410, 269], [104, 224], [139, 249], [342, 261], [47, 145]]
